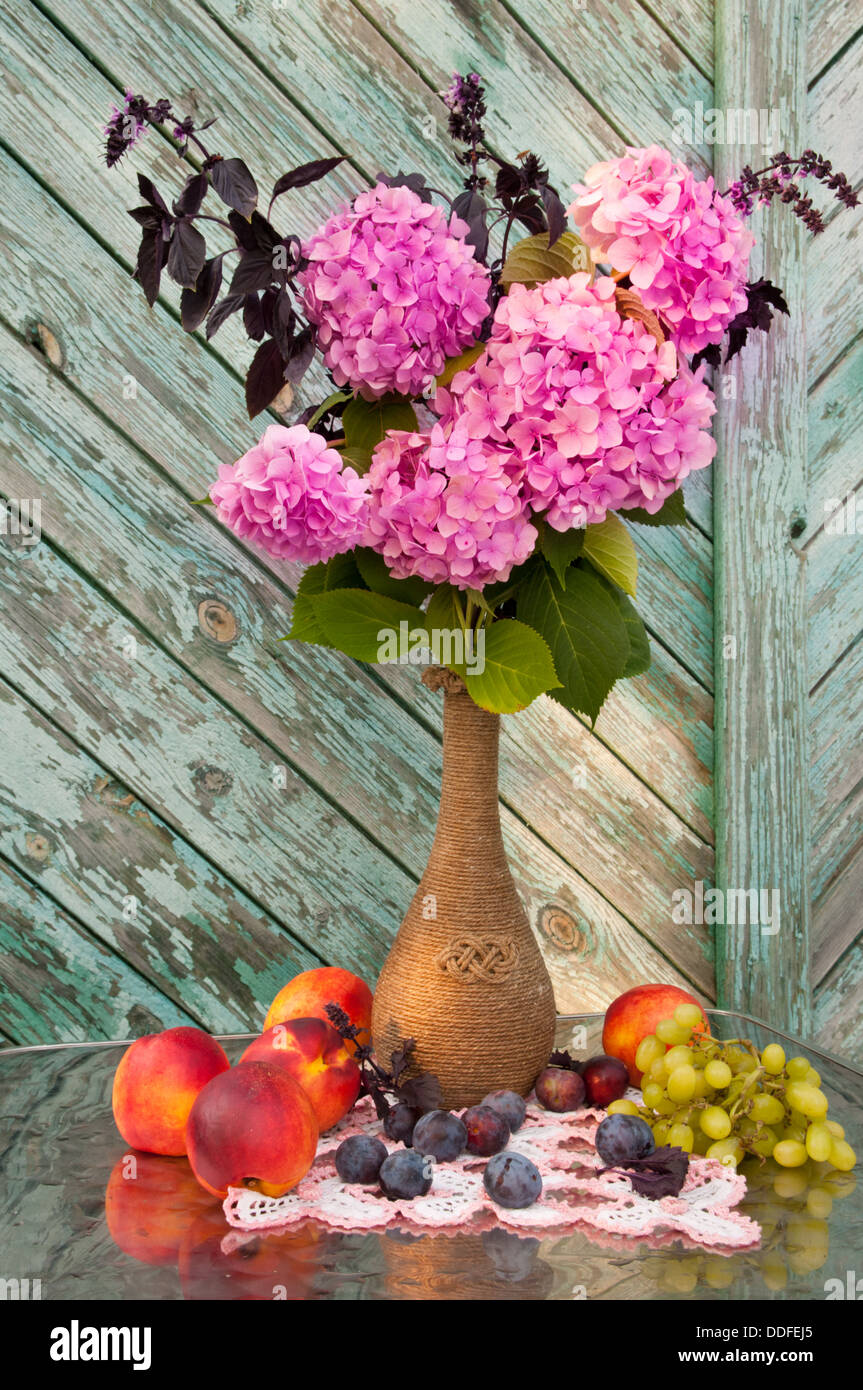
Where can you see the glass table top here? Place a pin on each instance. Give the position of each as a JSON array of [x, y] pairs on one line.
[[67, 1219]]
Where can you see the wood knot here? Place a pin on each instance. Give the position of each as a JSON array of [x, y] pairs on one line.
[[216, 621], [212, 781], [561, 928], [471, 958], [440, 678], [37, 847], [43, 338]]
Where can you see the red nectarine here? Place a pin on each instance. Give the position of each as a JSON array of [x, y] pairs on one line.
[[307, 994], [635, 1014], [253, 1126], [314, 1054], [156, 1084]]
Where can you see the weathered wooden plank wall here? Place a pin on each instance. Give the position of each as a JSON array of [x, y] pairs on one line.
[[188, 808]]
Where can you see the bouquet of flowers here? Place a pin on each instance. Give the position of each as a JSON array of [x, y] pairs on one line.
[[502, 406]]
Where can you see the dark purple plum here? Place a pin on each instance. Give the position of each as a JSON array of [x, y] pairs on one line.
[[511, 1180], [509, 1104], [620, 1138], [559, 1089], [359, 1158], [405, 1174], [605, 1079], [487, 1131], [440, 1135], [399, 1123]]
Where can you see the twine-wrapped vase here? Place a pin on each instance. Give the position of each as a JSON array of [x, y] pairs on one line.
[[465, 976]]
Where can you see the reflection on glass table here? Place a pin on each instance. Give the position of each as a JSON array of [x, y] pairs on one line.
[[68, 1218]]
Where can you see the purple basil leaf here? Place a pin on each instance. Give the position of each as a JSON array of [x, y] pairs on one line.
[[253, 317], [235, 186], [283, 322], [147, 216], [471, 207], [229, 305], [265, 378], [555, 212], [150, 194], [196, 304], [711, 354], [148, 267], [304, 174], [242, 230], [302, 352], [661, 1174], [255, 272], [415, 182], [265, 236], [529, 212], [422, 1092], [187, 254], [508, 183], [192, 196]]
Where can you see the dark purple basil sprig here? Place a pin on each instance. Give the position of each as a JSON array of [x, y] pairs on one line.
[[762, 297], [778, 180], [422, 1092], [263, 282], [521, 188]]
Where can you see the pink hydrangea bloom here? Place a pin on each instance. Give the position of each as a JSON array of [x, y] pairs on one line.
[[590, 412], [291, 495], [684, 247], [445, 507], [394, 291]]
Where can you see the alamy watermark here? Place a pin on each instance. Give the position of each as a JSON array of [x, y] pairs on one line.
[[844, 516], [727, 907], [441, 646], [733, 126], [22, 516]]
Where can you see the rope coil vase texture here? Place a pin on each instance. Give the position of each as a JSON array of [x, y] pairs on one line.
[[465, 976]]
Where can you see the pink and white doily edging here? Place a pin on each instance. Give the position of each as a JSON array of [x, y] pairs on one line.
[[574, 1194]]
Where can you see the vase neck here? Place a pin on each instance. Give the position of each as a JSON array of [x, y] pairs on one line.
[[469, 787]]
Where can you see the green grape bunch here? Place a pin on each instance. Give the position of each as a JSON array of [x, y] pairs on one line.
[[725, 1100]]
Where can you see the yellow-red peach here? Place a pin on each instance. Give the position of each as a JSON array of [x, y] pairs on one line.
[[315, 1055], [156, 1084], [635, 1014], [253, 1126], [307, 995], [150, 1203]]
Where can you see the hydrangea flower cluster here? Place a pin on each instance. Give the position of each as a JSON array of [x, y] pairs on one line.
[[291, 495], [446, 507], [590, 411], [684, 247], [394, 291]]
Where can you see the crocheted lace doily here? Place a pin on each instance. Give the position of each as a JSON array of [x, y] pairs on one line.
[[574, 1195]]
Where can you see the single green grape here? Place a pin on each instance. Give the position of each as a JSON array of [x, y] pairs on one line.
[[660, 1132], [672, 1033], [715, 1122], [773, 1059], [648, 1050], [679, 1056], [652, 1094], [765, 1142], [701, 1086], [768, 1109], [812, 1077], [797, 1068], [689, 1016], [790, 1153], [681, 1137], [656, 1071], [729, 1151], [842, 1156], [623, 1107], [835, 1129], [819, 1142], [807, 1099], [718, 1074], [681, 1084]]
